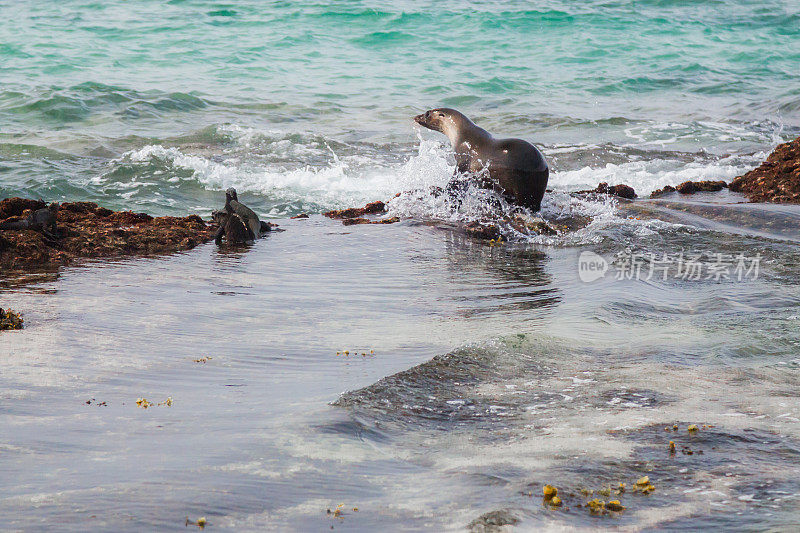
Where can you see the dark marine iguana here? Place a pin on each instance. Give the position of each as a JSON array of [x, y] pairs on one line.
[[232, 205], [232, 227], [43, 220]]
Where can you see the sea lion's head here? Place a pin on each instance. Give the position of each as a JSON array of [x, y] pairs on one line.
[[232, 193], [228, 199], [444, 120]]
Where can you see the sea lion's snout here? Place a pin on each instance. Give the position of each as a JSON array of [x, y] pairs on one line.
[[431, 119]]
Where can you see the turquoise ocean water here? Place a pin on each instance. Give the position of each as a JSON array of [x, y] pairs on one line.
[[159, 105]]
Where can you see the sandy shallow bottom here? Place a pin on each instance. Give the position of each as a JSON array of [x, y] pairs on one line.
[[475, 375]]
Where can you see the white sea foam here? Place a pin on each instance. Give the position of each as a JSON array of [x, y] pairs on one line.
[[647, 176], [412, 184], [343, 182]]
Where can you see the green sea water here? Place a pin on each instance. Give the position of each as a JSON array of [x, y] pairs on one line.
[[308, 105]]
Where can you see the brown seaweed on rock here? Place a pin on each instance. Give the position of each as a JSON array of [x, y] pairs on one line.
[[372, 208], [776, 180], [621, 190], [86, 230], [10, 319], [691, 187]]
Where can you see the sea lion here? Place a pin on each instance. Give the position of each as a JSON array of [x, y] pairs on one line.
[[248, 215], [515, 167], [43, 220], [232, 227]]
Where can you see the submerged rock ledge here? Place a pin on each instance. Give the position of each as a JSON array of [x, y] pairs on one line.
[[86, 230]]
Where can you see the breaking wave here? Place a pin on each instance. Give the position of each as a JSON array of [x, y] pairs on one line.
[[286, 174]]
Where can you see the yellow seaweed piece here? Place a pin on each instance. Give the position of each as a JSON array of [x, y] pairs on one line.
[[549, 492], [692, 428], [556, 501], [143, 403], [614, 505], [643, 481], [596, 506], [338, 512]]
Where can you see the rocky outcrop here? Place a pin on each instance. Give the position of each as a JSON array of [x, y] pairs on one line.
[[10, 319], [776, 180], [355, 215], [485, 231], [691, 187], [373, 208], [621, 190], [85, 229]]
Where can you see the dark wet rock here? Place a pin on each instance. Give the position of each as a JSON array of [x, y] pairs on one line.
[[532, 227], [301, 215], [438, 395], [661, 192], [86, 230], [493, 521], [372, 208], [491, 231], [621, 190], [352, 221], [10, 319], [776, 180], [483, 231], [691, 187]]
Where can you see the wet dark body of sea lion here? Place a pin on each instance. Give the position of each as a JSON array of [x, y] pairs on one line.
[[232, 227], [43, 220], [515, 167], [232, 205]]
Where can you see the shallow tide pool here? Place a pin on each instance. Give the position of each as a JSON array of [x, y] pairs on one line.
[[475, 375]]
